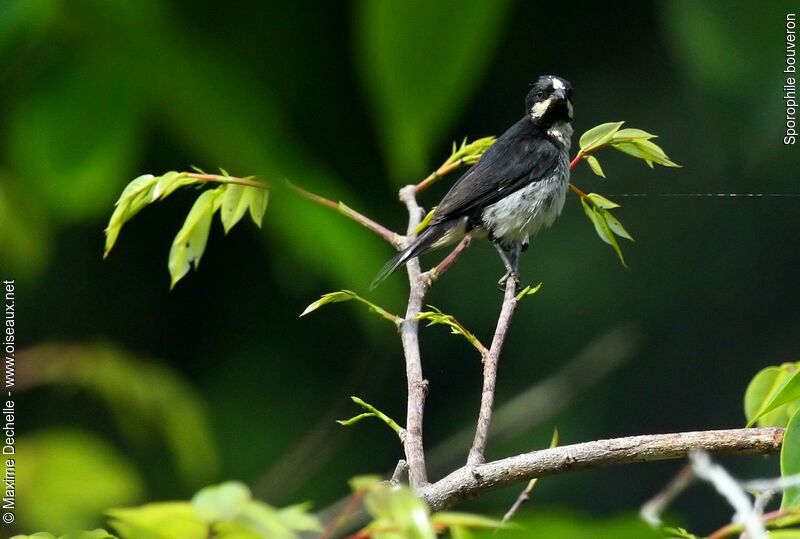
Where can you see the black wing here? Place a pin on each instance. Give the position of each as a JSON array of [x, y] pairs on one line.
[[520, 156]]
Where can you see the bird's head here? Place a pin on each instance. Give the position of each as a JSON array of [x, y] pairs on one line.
[[550, 100]]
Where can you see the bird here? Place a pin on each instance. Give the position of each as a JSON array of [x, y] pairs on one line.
[[516, 188]]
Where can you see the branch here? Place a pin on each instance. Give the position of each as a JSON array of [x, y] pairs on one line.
[[392, 237], [472, 481], [436, 272], [490, 361], [409, 334], [652, 510], [438, 174]]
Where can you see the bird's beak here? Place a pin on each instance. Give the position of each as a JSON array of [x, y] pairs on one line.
[[559, 96]]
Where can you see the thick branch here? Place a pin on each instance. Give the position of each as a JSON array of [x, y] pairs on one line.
[[490, 360], [472, 481], [409, 334]]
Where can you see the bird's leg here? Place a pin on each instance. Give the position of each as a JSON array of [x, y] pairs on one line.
[[510, 260]]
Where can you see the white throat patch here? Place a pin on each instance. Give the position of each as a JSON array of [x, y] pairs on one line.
[[538, 109]]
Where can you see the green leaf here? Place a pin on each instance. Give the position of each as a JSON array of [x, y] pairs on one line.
[[528, 291], [645, 150], [598, 217], [559, 524], [594, 164], [354, 419], [94, 534], [221, 502], [190, 242], [235, 203], [258, 205], [372, 412], [775, 389], [598, 136], [470, 153], [397, 508], [169, 182], [363, 483], [347, 295], [134, 197], [438, 317], [631, 149], [680, 533], [297, 517], [602, 202], [464, 520], [165, 520], [784, 534], [425, 221], [790, 462], [630, 133], [268, 522], [616, 227], [331, 297], [655, 153], [418, 69]]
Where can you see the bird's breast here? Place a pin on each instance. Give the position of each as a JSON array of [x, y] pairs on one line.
[[520, 215]]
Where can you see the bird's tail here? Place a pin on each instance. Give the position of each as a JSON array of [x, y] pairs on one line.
[[424, 241]]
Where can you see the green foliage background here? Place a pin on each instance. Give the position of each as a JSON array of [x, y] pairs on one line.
[[151, 393]]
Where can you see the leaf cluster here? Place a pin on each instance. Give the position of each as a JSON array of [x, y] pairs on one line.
[[631, 141], [225, 511], [233, 198], [469, 153], [634, 142], [435, 316]]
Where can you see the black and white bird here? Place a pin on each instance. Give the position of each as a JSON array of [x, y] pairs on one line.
[[516, 188]]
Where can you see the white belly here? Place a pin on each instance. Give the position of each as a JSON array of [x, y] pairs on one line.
[[519, 216]]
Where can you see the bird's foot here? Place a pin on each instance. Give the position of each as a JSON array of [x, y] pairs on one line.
[[501, 284]]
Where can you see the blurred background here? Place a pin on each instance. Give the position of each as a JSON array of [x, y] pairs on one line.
[[131, 393]]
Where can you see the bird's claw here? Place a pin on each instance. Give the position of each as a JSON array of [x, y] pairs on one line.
[[501, 284]]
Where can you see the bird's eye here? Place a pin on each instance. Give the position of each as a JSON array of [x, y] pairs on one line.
[[540, 94]]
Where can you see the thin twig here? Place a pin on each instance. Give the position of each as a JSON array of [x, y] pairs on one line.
[[393, 238], [471, 481], [437, 271], [399, 470], [734, 528], [409, 334], [433, 177], [352, 504], [490, 361], [523, 497], [577, 191], [652, 510]]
